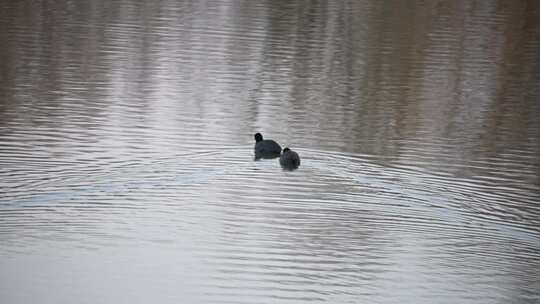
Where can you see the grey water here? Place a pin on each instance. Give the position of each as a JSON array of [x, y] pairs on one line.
[[126, 151]]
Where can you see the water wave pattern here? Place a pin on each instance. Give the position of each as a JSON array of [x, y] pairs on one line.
[[126, 140], [337, 228]]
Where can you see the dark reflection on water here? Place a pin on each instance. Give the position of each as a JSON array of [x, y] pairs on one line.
[[126, 139]]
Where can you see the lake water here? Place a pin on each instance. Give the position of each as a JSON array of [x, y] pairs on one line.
[[126, 151]]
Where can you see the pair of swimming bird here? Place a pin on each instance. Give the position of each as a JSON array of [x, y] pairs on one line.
[[267, 148]]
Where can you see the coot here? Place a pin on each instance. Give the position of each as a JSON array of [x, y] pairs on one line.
[[289, 159], [266, 148]]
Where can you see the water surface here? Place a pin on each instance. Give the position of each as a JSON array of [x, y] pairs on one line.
[[126, 152]]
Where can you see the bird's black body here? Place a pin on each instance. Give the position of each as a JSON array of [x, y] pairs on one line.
[[266, 148], [289, 159]]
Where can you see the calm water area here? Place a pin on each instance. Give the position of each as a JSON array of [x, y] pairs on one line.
[[126, 151]]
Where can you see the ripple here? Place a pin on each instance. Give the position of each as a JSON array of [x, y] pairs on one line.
[[126, 152]]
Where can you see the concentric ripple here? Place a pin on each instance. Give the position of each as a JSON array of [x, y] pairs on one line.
[[340, 226], [126, 152]]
